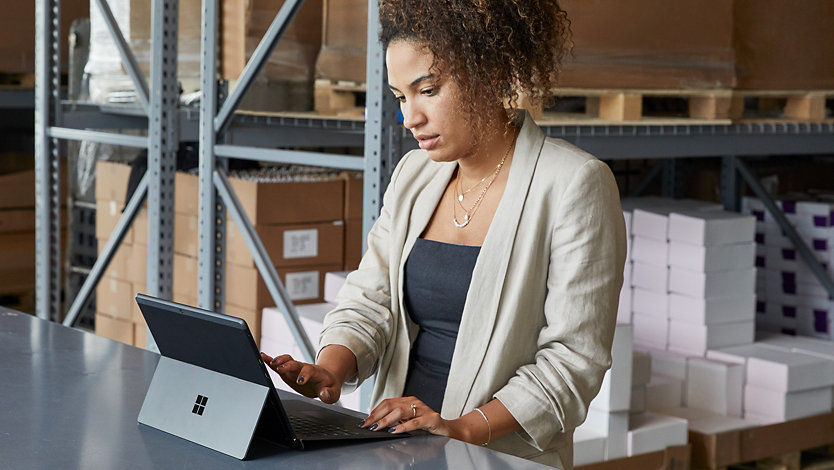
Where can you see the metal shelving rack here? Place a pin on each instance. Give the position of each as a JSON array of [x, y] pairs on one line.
[[224, 133]]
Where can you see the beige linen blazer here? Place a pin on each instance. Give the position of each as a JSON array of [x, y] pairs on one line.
[[540, 312]]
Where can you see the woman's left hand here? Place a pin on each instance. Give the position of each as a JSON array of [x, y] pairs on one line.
[[405, 414]]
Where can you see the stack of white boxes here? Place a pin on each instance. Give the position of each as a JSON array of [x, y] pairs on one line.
[[780, 384], [711, 281], [277, 337], [791, 299]]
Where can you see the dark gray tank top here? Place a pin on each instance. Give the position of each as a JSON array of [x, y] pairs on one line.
[[437, 277]]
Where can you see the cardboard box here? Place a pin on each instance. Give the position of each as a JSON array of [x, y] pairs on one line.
[[108, 214], [799, 61], [614, 393], [612, 425], [663, 392], [712, 258], [650, 251], [651, 278], [245, 288], [111, 182], [707, 228], [140, 335], [244, 23], [344, 38], [17, 50], [114, 298], [646, 302], [353, 244], [291, 245], [651, 432], [701, 311], [114, 328], [137, 264], [712, 284], [119, 267], [695, 340], [705, 422], [17, 220], [715, 386], [17, 250], [691, 45], [780, 406], [290, 202], [670, 458], [354, 190]]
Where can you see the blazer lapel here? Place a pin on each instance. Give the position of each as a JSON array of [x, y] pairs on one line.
[[482, 300]]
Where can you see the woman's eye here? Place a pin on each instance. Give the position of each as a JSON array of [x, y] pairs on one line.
[[429, 91], [401, 99]]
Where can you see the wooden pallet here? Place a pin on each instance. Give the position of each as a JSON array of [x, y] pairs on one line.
[[339, 98], [777, 444], [22, 301], [672, 458], [800, 105]]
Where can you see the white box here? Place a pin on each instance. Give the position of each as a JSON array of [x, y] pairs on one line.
[[711, 227], [668, 364], [624, 305], [333, 282], [788, 371], [588, 447], [651, 432], [649, 331], [712, 258], [653, 278], [810, 346], [663, 392], [274, 325], [686, 338], [739, 354], [781, 258], [705, 422], [713, 284], [614, 426], [786, 406], [713, 310], [715, 386], [638, 399], [614, 393], [646, 302], [651, 222], [641, 368], [650, 251]]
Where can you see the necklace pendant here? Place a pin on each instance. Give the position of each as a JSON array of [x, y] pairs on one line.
[[461, 224], [460, 198]]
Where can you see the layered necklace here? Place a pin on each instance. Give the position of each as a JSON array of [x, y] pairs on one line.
[[460, 192]]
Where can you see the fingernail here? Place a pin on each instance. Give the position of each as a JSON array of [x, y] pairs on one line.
[[281, 366], [373, 427], [300, 380], [361, 423], [392, 430], [324, 394]]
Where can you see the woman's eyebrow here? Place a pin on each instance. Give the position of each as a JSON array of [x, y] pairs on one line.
[[414, 82]]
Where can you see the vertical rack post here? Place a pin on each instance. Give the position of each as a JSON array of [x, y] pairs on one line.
[[212, 217], [47, 204], [163, 142], [731, 184]]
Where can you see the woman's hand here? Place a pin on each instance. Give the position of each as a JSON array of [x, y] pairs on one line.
[[405, 414], [310, 380]]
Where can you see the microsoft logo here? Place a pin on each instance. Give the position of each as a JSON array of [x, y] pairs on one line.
[[199, 405]]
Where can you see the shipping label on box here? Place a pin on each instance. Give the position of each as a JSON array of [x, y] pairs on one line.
[[302, 243], [303, 285]]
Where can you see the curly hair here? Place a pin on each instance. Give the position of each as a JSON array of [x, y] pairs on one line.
[[493, 49]]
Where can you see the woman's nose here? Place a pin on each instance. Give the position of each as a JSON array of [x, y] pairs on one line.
[[412, 115]]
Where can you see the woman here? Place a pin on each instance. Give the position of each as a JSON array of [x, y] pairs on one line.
[[487, 299]]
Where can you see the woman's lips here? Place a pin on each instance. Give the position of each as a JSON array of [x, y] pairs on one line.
[[426, 143]]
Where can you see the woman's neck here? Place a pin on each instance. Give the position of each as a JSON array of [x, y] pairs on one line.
[[495, 148]]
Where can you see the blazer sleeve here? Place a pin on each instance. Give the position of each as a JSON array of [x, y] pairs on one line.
[[587, 253], [364, 322]]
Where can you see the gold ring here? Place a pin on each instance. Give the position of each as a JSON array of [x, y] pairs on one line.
[[414, 409]]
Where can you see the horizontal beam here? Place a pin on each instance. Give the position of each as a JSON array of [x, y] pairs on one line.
[[99, 137], [293, 157]]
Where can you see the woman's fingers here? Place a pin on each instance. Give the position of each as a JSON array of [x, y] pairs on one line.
[[307, 379], [392, 411]]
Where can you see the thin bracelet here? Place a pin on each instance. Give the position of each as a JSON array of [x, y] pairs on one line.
[[489, 428]]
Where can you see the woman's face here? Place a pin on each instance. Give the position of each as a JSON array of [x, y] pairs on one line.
[[431, 105]]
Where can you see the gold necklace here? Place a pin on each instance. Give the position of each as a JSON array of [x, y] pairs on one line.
[[468, 214]]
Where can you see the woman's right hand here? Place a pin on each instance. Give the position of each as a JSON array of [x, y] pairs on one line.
[[310, 380]]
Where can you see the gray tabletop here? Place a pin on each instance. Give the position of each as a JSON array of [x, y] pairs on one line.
[[70, 399]]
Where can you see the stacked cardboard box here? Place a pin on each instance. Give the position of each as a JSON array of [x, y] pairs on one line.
[[354, 203], [117, 317], [711, 281], [790, 298], [17, 238]]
